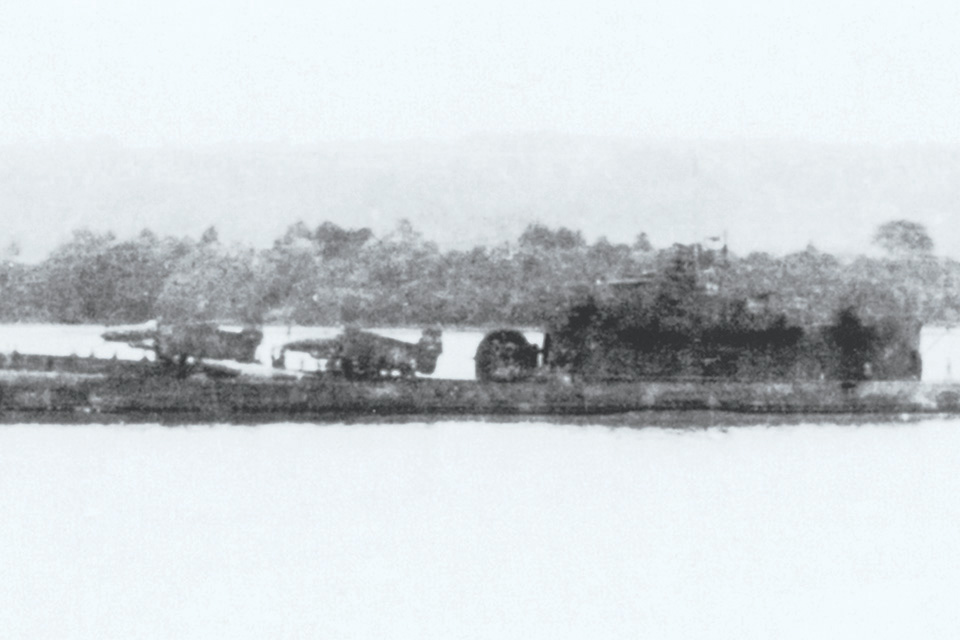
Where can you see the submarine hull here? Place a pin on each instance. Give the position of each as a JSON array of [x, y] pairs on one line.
[[58, 395]]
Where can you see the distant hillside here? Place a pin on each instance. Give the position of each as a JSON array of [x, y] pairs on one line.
[[776, 197]]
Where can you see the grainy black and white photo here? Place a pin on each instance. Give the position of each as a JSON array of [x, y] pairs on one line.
[[507, 320]]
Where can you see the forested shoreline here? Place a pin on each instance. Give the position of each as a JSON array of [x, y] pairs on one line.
[[328, 275]]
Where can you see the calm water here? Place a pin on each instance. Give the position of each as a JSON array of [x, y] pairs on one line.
[[480, 530]]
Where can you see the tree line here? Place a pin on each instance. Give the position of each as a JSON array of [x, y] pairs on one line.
[[329, 275]]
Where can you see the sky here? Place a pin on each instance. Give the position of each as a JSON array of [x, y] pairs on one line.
[[206, 72], [209, 74]]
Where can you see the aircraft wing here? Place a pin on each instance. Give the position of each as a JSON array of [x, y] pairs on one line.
[[252, 369], [133, 334]]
